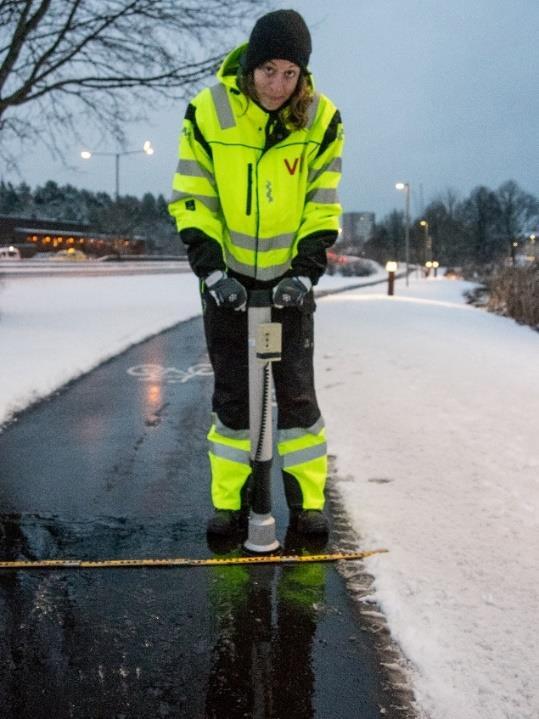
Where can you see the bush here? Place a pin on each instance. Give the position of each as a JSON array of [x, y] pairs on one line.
[[514, 292]]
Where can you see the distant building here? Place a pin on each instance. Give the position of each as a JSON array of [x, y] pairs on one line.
[[33, 235], [357, 228]]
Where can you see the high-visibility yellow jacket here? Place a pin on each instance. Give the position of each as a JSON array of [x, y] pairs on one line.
[[251, 195]]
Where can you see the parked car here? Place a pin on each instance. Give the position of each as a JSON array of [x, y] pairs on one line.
[[9, 253]]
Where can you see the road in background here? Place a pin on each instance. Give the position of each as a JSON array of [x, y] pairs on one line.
[[12, 269]]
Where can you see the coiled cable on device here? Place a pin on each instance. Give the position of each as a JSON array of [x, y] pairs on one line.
[[266, 398]]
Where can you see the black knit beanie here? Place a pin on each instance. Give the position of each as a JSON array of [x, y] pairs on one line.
[[279, 35]]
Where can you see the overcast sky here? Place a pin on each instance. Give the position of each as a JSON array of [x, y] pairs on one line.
[[440, 93]]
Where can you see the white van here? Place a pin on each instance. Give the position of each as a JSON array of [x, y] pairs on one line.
[[9, 253]]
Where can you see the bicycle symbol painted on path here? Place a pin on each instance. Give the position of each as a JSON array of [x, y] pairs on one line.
[[169, 375]]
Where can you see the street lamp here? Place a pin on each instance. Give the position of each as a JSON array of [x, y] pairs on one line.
[[405, 186], [147, 149]]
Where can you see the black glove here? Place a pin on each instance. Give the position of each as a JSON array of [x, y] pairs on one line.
[[226, 291], [291, 291]]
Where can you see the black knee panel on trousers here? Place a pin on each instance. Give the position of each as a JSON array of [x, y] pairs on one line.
[[226, 338]]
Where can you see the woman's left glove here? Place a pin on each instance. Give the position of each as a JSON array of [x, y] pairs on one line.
[[291, 291], [226, 291]]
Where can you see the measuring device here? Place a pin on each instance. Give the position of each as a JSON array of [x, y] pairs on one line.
[[186, 562], [264, 347]]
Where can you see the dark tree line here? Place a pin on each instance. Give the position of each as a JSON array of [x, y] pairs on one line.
[[482, 229], [127, 215]]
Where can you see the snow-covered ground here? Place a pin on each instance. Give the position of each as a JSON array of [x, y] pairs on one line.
[[435, 398], [53, 329], [441, 401]]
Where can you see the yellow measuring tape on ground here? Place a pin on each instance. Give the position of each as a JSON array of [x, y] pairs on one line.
[[183, 562]]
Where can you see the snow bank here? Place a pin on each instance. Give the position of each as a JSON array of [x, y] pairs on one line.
[[440, 401], [55, 329]]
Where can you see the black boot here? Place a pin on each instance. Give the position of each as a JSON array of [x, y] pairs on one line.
[[226, 522], [309, 522]]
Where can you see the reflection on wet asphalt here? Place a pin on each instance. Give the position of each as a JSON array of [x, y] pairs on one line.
[[116, 467]]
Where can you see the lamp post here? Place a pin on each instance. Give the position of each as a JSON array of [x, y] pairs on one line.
[[428, 245], [405, 186], [391, 268], [147, 149], [531, 244]]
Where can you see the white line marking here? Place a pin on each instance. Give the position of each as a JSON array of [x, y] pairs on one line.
[[169, 375]]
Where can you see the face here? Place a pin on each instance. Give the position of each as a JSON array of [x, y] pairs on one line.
[[275, 82]]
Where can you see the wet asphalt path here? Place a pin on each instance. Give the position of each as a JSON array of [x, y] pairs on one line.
[[115, 466]]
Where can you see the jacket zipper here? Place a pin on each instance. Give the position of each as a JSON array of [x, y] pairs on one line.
[[257, 222], [248, 206]]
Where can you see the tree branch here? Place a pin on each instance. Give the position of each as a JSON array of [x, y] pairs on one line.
[[98, 52], [22, 30]]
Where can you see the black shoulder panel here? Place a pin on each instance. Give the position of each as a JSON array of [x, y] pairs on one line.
[[330, 134], [190, 115]]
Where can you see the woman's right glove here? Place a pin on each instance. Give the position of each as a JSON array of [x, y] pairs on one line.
[[226, 291]]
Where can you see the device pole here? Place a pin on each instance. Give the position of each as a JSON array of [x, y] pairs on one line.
[[264, 344]]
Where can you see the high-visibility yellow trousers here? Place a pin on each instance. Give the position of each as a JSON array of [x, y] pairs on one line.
[[303, 453], [301, 438]]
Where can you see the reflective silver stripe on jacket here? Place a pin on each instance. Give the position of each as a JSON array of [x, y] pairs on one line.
[[225, 431], [212, 203], [286, 435], [323, 196], [265, 244], [222, 106], [312, 110], [302, 456], [224, 451], [334, 166], [192, 168], [261, 273]]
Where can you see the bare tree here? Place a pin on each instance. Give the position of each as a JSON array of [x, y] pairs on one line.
[[445, 228], [387, 241], [518, 209], [104, 60], [480, 213]]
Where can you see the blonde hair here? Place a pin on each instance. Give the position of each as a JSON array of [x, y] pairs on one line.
[[295, 113]]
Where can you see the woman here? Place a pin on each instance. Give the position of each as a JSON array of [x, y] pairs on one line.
[[255, 202]]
